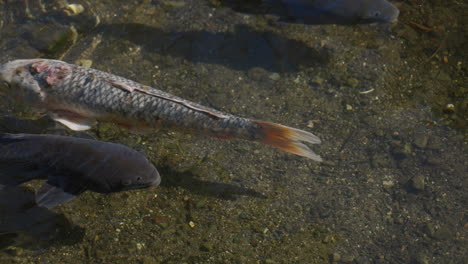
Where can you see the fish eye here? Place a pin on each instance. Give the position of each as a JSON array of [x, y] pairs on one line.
[[376, 14], [139, 178]]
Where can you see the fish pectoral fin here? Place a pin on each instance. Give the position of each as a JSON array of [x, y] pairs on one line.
[[72, 120], [50, 196]]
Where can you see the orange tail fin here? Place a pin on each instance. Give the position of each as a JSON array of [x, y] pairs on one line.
[[289, 139]]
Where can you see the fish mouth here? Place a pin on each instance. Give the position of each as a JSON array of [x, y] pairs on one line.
[[7, 69], [156, 182], [152, 183]]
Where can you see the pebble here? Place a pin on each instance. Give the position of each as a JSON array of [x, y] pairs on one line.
[[257, 74], [73, 9], [417, 182], [422, 259], [84, 63], [388, 184], [421, 141], [317, 80], [207, 246], [353, 82], [139, 246], [275, 76], [443, 233], [336, 257]]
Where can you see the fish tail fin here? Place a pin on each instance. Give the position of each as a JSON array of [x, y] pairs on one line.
[[288, 139]]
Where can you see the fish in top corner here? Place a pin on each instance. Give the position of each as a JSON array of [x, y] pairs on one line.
[[77, 97], [338, 11], [72, 166]]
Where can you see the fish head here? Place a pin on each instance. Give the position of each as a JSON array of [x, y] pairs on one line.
[[380, 11], [126, 169], [142, 177], [17, 81]]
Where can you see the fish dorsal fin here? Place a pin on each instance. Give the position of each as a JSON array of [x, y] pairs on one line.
[[50, 196], [142, 89]]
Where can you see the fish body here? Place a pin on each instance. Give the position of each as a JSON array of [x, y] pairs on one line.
[[341, 11], [77, 96], [72, 165]]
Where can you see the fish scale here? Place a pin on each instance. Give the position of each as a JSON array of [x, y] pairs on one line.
[[77, 96]]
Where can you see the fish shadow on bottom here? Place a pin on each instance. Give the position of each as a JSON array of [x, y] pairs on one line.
[[26, 225], [10, 124], [187, 180], [242, 49]]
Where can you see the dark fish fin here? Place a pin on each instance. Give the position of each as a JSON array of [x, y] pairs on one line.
[[288, 139], [6, 138], [73, 121], [50, 196]]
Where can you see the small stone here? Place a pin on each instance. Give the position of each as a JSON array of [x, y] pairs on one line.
[[191, 224], [353, 82], [174, 3], [443, 76], [450, 107], [417, 183], [381, 161], [317, 80], [422, 259], [421, 141], [443, 233], [200, 204], [399, 153], [73, 9], [207, 246], [349, 259], [407, 149], [275, 76], [84, 63], [15, 251], [257, 74], [388, 184], [349, 107], [328, 239], [336, 257], [139, 246]]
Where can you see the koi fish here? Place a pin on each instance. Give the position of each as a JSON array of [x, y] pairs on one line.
[[77, 96], [71, 166]]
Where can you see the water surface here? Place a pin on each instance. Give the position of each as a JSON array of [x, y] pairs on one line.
[[388, 101]]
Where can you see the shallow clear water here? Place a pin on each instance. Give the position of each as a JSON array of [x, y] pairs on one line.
[[387, 100]]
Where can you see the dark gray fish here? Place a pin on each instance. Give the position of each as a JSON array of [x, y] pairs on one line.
[[340, 11], [71, 166], [77, 96]]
